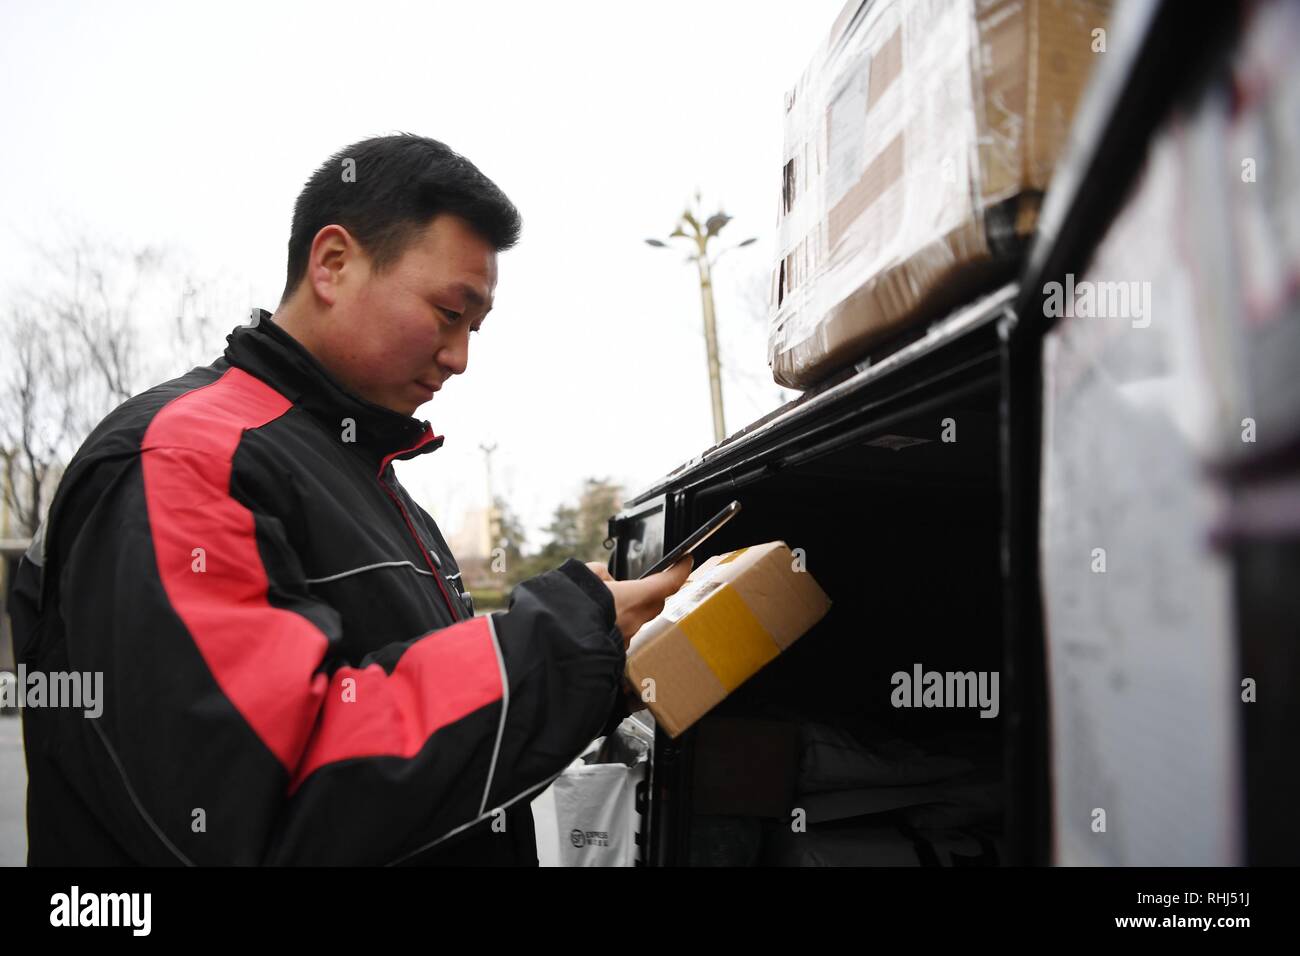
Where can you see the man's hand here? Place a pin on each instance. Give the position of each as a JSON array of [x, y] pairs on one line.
[[639, 601]]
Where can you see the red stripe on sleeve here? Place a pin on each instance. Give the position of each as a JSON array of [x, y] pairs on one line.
[[266, 659], [439, 680]]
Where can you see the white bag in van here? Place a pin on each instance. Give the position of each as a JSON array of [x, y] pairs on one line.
[[595, 809]]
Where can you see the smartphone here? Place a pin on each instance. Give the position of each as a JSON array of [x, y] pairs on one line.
[[694, 540]]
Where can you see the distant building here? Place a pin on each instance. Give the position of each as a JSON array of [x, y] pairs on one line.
[[473, 545], [14, 540], [11, 549], [472, 540]]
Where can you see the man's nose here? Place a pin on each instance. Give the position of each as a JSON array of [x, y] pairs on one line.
[[454, 356]]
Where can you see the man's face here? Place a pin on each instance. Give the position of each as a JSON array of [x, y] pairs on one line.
[[395, 338]]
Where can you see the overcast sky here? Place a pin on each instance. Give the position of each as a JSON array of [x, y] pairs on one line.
[[195, 127]]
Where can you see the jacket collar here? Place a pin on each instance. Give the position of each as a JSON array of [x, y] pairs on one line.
[[264, 349]]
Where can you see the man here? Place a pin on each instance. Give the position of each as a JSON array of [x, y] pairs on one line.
[[292, 669]]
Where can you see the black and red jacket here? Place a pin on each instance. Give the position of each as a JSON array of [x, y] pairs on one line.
[[292, 669]]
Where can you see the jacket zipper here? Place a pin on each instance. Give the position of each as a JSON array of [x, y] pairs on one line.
[[433, 567]]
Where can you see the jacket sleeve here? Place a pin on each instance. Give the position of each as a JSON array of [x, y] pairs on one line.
[[236, 733], [619, 710]]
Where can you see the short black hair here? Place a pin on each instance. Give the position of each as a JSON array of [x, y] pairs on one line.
[[386, 189]]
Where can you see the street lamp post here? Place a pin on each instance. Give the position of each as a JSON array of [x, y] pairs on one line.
[[700, 236]]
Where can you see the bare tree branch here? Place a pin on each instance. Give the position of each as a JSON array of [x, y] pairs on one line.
[[72, 349]]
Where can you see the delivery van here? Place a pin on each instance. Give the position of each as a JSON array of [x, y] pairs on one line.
[[1061, 545]]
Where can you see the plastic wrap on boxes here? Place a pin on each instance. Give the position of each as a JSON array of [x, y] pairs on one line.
[[917, 144]]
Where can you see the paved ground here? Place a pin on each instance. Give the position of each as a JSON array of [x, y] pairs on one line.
[[13, 793]]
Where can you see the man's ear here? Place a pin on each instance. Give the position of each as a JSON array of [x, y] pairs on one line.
[[335, 256]]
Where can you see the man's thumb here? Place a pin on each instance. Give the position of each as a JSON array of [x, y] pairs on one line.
[[675, 577]]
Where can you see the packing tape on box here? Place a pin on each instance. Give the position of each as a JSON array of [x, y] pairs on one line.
[[728, 637]]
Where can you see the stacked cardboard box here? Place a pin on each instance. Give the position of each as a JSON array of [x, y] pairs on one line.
[[918, 144]]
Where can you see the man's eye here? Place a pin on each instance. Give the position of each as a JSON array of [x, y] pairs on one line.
[[453, 316]]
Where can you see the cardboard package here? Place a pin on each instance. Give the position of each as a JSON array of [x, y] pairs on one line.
[[918, 144], [736, 612]]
